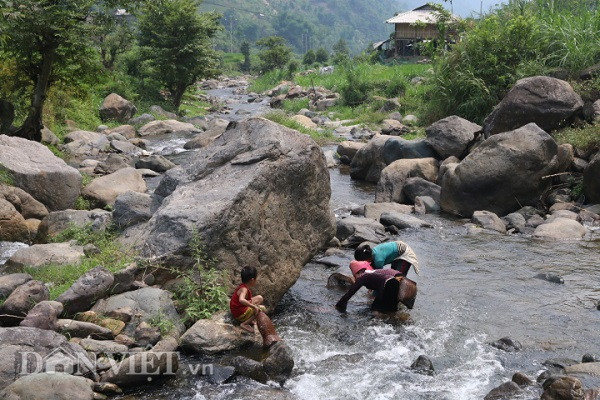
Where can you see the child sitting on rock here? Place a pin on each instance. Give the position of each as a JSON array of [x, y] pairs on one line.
[[244, 307]]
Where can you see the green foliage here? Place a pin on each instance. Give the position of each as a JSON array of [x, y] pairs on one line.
[[321, 137], [6, 177], [309, 58], [81, 203], [341, 53], [202, 291], [294, 105], [175, 42], [267, 81], [274, 53], [161, 322], [584, 138], [356, 89], [321, 56], [245, 49]]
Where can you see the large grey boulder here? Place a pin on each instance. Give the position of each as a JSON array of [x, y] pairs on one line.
[[35, 169], [13, 227], [167, 126], [259, 195], [417, 186], [58, 221], [591, 180], [85, 291], [132, 208], [349, 149], [561, 228], [403, 221], [394, 177], [44, 386], [85, 143], [547, 102], [21, 300], [213, 336], [203, 139], [23, 202], [368, 161], [489, 220], [116, 108], [451, 136], [39, 255], [105, 190], [501, 175], [352, 231], [127, 131], [398, 148]]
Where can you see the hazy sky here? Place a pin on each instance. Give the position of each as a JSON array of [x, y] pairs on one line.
[[464, 8]]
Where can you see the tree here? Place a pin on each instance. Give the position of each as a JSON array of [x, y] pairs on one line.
[[245, 49], [309, 57], [341, 53], [275, 53], [48, 41], [176, 42], [322, 55]]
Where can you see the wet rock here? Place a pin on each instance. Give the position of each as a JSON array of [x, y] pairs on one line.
[[355, 230], [506, 390], [148, 366], [563, 388], [560, 229], [208, 336], [44, 386], [116, 108], [402, 221], [249, 368], [425, 205], [423, 365], [58, 221], [368, 162], [156, 163], [81, 329], [522, 380], [489, 220], [92, 286], [349, 149], [36, 170], [132, 208], [374, 210], [43, 315], [395, 176], [534, 221], [221, 374], [588, 368], [165, 127], [507, 344], [10, 282], [515, 221], [551, 278], [451, 136], [558, 365], [547, 102], [280, 363], [106, 388], [590, 358], [417, 186]]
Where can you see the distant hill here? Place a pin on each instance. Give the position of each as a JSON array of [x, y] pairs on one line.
[[305, 24]]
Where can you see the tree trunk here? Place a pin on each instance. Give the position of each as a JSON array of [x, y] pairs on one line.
[[33, 125]]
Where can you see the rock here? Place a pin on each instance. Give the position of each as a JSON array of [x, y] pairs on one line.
[[43, 315], [360, 133], [127, 131], [148, 366], [507, 344], [113, 163], [588, 368], [374, 210], [447, 164], [13, 227], [106, 388], [124, 280], [81, 329], [394, 176], [566, 155], [534, 221], [40, 173], [324, 104], [502, 174], [505, 391], [587, 358], [221, 374], [132, 208], [23, 202], [217, 127], [84, 143], [393, 127], [170, 126], [48, 137], [423, 365], [92, 286], [158, 110], [146, 335], [560, 229], [116, 108], [354, 230], [85, 136], [10, 282], [425, 205], [106, 189], [397, 148], [103, 346], [522, 380], [44, 386], [402, 221], [249, 368], [417, 186], [280, 362], [242, 194], [489, 220], [208, 336], [410, 119], [156, 163], [547, 102], [591, 181], [566, 214], [39, 255], [123, 146], [330, 158], [21, 300], [368, 161], [551, 278], [349, 149], [58, 221], [451, 136], [146, 303], [515, 221], [141, 120], [558, 365], [563, 388], [54, 354], [33, 226], [121, 314], [304, 121]]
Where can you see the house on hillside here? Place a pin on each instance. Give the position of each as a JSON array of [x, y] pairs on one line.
[[410, 29]]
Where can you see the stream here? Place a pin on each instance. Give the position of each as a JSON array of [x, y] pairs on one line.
[[474, 288]]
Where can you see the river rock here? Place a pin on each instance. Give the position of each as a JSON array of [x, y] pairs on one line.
[[522, 380], [10, 282], [13, 227], [132, 208], [45, 386], [502, 174], [374, 210], [36, 170], [393, 127], [349, 149], [280, 362], [116, 108], [216, 128], [44, 315], [588, 368], [169, 126], [355, 230], [563, 388], [258, 195], [560, 228], [156, 163], [105, 190], [209, 336], [249, 368], [417, 186], [85, 143], [148, 366], [21, 300], [39, 255], [515, 221], [123, 146], [72, 328], [507, 344], [23, 202], [423, 365], [58, 221], [591, 180], [368, 162], [425, 205], [48, 137], [566, 155], [304, 121], [562, 214], [489, 220], [398, 148], [54, 353], [92, 286], [451, 136], [141, 120], [547, 102], [127, 131], [506, 390], [551, 278], [103, 346], [394, 177], [402, 221]]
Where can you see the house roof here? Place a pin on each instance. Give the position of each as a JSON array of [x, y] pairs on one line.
[[425, 14]]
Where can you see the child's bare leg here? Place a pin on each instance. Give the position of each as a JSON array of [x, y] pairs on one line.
[[257, 300], [248, 325]]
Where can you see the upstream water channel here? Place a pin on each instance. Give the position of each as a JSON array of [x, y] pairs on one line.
[[474, 288]]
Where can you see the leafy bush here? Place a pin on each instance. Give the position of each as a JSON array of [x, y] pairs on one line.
[[356, 89]]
